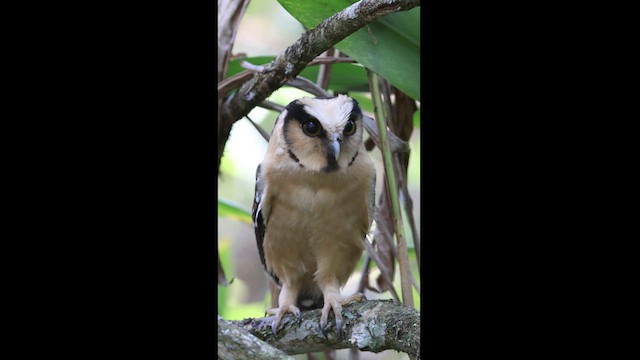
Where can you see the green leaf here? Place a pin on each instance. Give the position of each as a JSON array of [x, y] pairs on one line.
[[227, 208], [389, 46]]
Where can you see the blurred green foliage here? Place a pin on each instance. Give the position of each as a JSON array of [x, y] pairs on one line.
[[228, 209]]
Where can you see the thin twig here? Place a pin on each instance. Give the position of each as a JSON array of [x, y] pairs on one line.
[[330, 60], [397, 144], [324, 72], [394, 252], [383, 268], [402, 121], [262, 132], [408, 208], [251, 67], [222, 279], [383, 239], [364, 275], [269, 105], [232, 82], [300, 83], [308, 86], [415, 283], [403, 259]]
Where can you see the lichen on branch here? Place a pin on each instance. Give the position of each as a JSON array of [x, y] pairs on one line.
[[375, 326]]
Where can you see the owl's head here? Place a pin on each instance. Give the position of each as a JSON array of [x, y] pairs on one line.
[[322, 134]]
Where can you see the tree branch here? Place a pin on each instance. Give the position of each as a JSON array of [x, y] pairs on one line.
[[235, 342], [293, 60], [229, 15], [374, 326], [232, 82]]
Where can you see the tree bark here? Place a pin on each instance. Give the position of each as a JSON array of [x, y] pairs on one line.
[[374, 326], [237, 343]]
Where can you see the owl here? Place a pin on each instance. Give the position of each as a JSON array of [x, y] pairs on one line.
[[313, 205]]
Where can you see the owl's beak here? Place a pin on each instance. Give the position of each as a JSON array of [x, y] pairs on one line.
[[335, 147]]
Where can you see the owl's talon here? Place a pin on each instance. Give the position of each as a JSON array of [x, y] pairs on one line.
[[334, 303], [297, 312], [280, 312]]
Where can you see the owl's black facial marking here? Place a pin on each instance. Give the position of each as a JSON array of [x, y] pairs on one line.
[[355, 111], [294, 157], [332, 164], [295, 110], [353, 159]]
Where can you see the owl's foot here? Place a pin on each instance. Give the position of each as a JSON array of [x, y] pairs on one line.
[[333, 301], [279, 312]]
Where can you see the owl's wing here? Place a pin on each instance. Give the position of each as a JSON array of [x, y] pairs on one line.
[[258, 215]]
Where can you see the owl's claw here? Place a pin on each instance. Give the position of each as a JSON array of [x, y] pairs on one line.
[[335, 303], [279, 313], [322, 325]]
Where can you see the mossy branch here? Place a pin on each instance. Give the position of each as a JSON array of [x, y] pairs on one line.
[[374, 325], [235, 342]]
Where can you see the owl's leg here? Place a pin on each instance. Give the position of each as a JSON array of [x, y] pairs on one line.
[[333, 301], [286, 303]]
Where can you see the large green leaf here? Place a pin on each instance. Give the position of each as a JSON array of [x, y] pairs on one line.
[[345, 77], [389, 46]]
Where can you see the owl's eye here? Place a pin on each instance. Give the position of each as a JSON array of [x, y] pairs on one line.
[[350, 128], [312, 128]]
